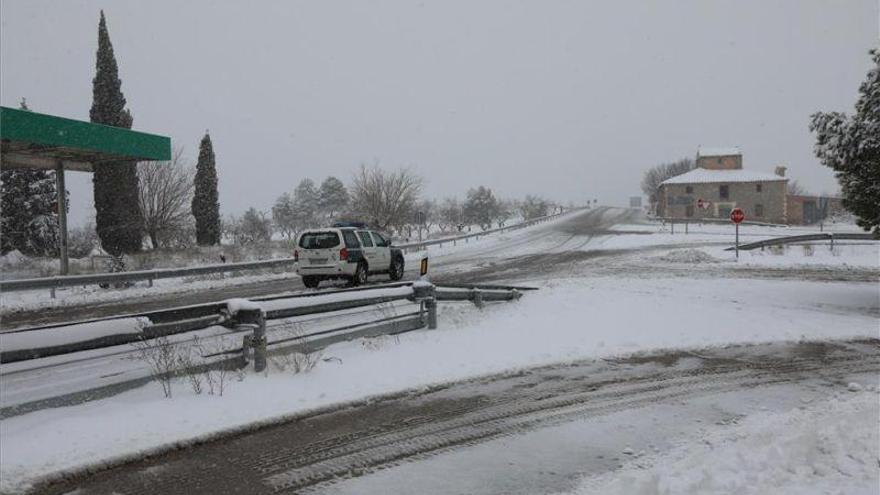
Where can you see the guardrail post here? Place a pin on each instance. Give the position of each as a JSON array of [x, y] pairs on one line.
[[431, 307], [832, 242], [425, 295], [478, 298], [52, 291], [150, 282], [255, 319], [247, 346]]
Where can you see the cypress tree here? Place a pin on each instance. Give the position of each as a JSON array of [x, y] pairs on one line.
[[205, 203], [118, 216]]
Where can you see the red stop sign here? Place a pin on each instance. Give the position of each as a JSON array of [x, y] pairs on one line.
[[737, 215]]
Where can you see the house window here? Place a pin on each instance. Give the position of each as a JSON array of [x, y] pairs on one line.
[[689, 189], [724, 191], [759, 211], [758, 187], [689, 210], [719, 161]]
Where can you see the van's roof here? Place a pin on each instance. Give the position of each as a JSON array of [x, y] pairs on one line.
[[330, 229]]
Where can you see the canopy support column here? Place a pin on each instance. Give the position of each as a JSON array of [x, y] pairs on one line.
[[62, 215]]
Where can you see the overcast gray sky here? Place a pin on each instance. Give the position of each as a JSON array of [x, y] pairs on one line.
[[567, 99]]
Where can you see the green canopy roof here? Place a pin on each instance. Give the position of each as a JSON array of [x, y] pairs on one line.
[[35, 140]]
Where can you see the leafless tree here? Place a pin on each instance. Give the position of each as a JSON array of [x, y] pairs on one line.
[[449, 214], [165, 193], [655, 175], [385, 198], [795, 189]]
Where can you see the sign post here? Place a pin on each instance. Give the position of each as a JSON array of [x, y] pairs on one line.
[[737, 216]]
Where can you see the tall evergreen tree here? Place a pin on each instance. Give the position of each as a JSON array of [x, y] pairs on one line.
[[205, 203], [118, 216], [29, 211], [850, 145]]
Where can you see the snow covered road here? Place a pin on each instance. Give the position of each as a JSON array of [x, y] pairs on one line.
[[537, 431]]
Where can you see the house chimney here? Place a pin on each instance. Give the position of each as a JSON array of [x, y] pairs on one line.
[[780, 170]]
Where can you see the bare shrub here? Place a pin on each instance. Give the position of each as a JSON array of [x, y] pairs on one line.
[[303, 359], [808, 249], [216, 379], [161, 356], [187, 366]]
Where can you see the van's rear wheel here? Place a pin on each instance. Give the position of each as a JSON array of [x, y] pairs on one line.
[[311, 281], [360, 275], [396, 271]]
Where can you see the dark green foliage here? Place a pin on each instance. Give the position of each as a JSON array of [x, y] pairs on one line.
[[29, 220], [117, 211], [29, 210], [205, 203], [481, 207], [851, 147], [332, 197]]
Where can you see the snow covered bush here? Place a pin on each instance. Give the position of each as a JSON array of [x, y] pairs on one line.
[[850, 145]]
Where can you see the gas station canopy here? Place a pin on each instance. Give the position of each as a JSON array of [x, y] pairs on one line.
[[35, 140], [31, 140]]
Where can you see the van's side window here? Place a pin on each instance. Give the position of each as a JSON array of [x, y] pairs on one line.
[[351, 240], [365, 238], [380, 241]]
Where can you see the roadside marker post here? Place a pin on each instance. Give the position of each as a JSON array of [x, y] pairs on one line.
[[737, 216], [423, 266]]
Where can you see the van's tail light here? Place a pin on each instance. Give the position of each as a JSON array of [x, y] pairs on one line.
[[296, 255], [343, 254]]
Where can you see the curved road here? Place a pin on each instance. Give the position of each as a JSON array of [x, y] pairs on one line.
[[590, 221]]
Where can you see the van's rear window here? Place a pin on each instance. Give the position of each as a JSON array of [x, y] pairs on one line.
[[319, 240]]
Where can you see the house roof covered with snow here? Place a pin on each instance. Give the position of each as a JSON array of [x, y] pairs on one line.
[[729, 151], [706, 176]]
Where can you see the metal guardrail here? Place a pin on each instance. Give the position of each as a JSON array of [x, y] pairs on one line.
[[195, 318], [672, 222], [794, 239], [57, 282], [256, 348]]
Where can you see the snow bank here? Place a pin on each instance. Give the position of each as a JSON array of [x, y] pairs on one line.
[[233, 306], [298, 302], [71, 334], [830, 447], [687, 256]]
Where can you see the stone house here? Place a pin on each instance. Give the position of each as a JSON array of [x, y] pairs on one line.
[[720, 184]]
